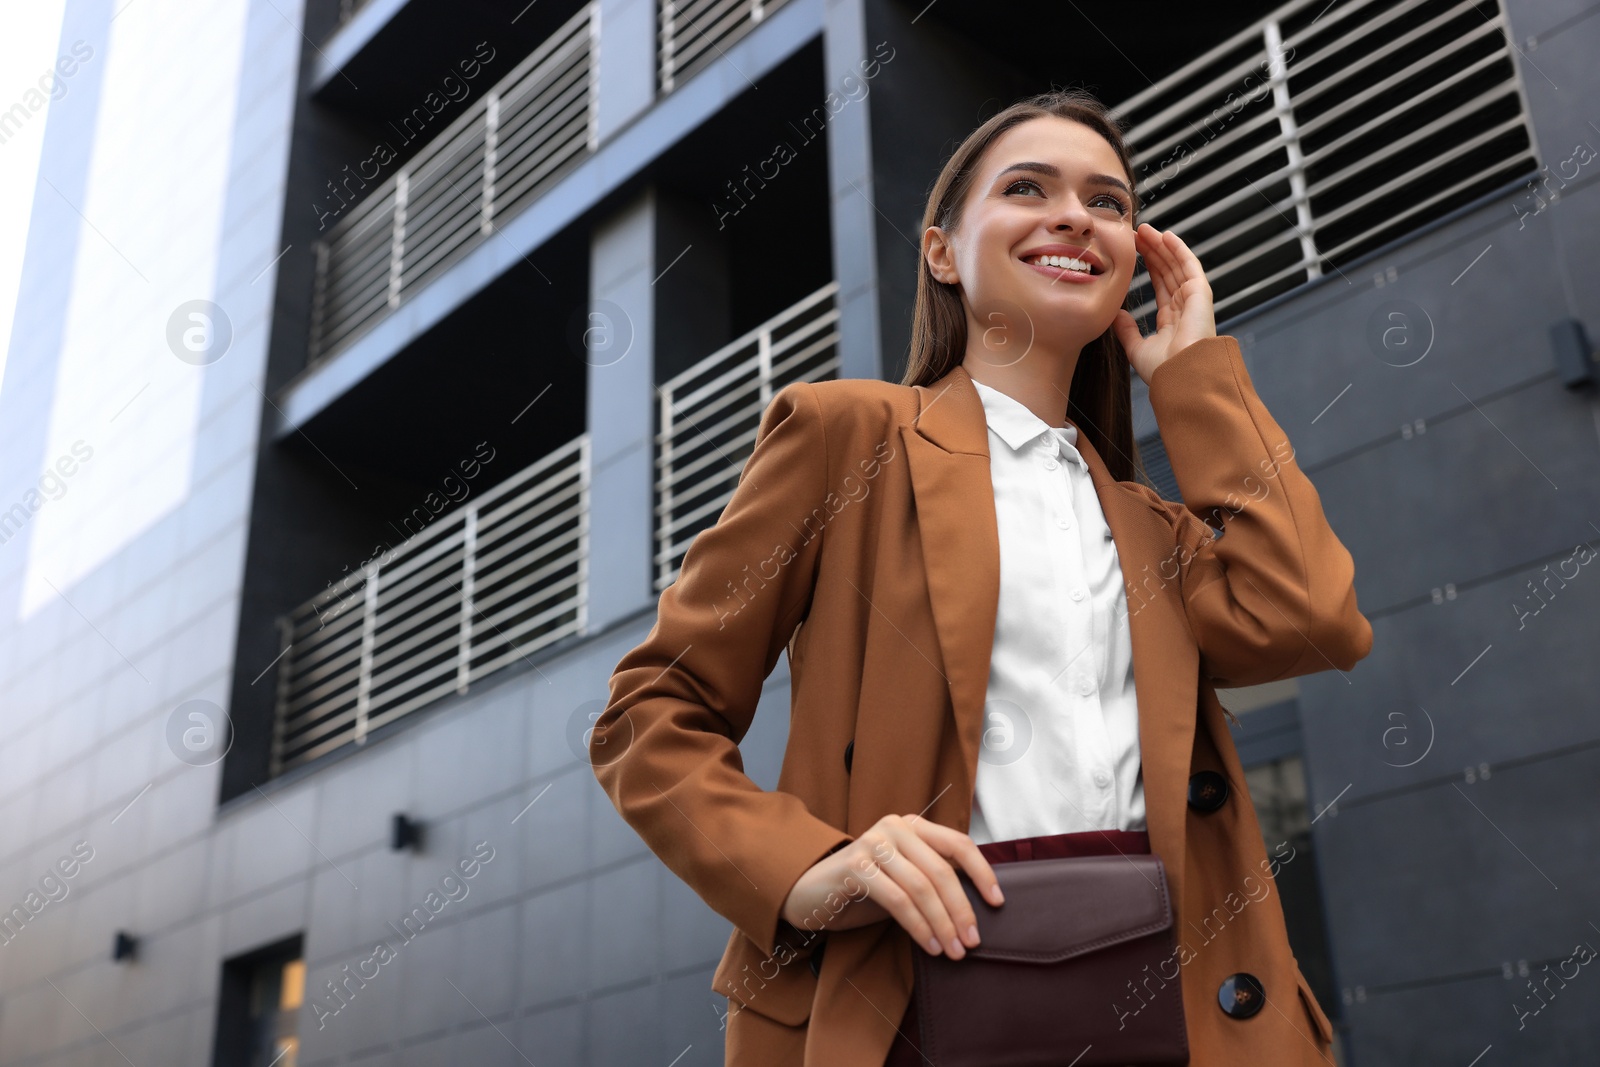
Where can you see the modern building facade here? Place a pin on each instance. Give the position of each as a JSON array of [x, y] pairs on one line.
[[374, 363]]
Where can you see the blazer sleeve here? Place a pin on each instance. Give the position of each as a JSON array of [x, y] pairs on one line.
[[666, 748], [1273, 594]]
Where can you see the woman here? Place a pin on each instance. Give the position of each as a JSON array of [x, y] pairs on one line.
[[866, 536]]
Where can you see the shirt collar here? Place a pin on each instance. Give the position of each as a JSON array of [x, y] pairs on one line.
[[1017, 426]]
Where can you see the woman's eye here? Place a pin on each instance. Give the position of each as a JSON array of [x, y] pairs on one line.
[[1116, 203]]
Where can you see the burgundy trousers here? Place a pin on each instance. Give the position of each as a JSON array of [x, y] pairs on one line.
[[907, 1048]]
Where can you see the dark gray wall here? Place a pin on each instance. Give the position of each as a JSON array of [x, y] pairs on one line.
[[576, 945], [1455, 483]]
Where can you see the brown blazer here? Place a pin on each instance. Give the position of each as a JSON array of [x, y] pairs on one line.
[[862, 537]]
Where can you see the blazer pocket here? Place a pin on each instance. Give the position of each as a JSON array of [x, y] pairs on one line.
[[759, 983], [1318, 1018]]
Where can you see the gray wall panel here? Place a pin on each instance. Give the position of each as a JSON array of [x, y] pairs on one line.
[[1503, 481], [1488, 331], [1543, 19], [1526, 695], [622, 1026], [555, 1035], [555, 945], [550, 841], [1392, 872], [1424, 1025]]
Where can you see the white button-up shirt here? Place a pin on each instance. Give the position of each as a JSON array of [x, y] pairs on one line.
[[1060, 749]]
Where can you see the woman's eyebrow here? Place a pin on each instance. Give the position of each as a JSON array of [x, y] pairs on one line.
[[1053, 171]]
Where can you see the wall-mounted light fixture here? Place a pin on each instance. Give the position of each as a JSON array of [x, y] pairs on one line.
[[1572, 351], [405, 833], [124, 947]]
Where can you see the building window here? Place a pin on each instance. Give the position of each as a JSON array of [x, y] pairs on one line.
[[259, 1009]]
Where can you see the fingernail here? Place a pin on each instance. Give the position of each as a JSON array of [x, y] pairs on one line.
[[972, 934], [933, 945]]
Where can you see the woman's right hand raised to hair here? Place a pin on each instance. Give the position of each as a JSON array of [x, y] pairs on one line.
[[902, 867]]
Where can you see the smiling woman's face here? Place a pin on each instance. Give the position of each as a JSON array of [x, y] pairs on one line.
[[1046, 186]]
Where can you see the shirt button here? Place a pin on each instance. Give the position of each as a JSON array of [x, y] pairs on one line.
[[1063, 521], [1050, 464], [1086, 686], [1102, 779], [1077, 594]]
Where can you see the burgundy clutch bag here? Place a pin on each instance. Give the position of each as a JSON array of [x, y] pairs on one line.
[[1049, 980]]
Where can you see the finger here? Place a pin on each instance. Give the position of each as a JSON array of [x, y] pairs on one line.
[[917, 905], [960, 848], [1145, 241], [1172, 258], [1193, 274], [903, 910], [931, 849], [981, 872], [964, 850], [1127, 330], [1177, 274], [930, 881], [1155, 265], [1171, 276], [1186, 261], [967, 858]]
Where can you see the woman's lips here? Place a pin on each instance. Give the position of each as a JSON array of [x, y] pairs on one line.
[[1063, 274]]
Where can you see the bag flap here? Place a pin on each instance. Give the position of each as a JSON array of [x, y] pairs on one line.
[[1056, 909]]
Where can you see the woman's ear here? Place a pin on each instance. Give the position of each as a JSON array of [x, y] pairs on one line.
[[936, 250]]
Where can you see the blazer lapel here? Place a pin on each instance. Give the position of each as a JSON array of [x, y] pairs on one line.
[[947, 449], [1166, 663]]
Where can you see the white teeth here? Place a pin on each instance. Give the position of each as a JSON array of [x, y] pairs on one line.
[[1064, 261]]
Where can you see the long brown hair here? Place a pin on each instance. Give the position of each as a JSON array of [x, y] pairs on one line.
[[1099, 402]]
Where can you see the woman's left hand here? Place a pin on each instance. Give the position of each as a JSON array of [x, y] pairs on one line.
[[1184, 312]]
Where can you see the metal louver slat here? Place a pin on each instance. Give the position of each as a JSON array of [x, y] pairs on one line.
[[438, 611], [710, 412], [695, 33], [451, 195], [1275, 185]]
